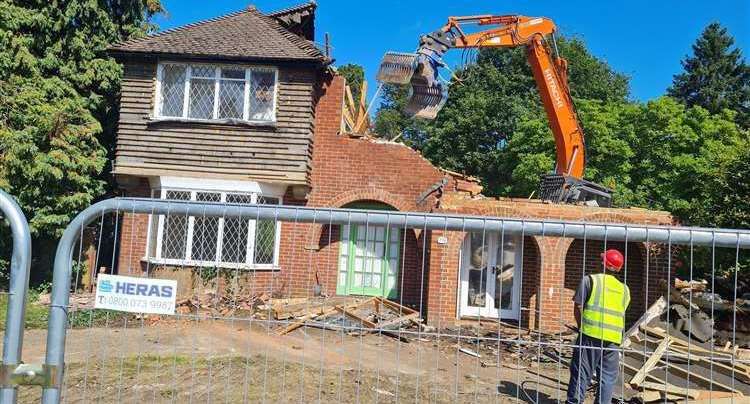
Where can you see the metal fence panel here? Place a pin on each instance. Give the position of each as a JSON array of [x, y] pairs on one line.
[[284, 303], [18, 286]]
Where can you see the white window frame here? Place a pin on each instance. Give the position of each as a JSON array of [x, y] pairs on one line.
[[249, 69], [188, 261]]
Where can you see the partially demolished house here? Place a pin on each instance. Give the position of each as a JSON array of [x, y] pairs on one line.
[[244, 108]]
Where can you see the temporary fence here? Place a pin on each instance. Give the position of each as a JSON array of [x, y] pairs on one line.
[[12, 373], [287, 303]]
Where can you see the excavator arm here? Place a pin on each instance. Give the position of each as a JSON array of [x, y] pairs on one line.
[[428, 94]]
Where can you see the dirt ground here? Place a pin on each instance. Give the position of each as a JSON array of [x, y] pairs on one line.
[[230, 362]]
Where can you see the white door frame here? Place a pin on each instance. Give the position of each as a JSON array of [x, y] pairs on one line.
[[492, 241]]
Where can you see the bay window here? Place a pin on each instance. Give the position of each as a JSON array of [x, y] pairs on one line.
[[242, 242], [213, 92]]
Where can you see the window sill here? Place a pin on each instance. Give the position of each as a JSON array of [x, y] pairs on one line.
[[210, 264], [224, 122]]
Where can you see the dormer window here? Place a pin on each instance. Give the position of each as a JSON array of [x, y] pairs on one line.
[[216, 93]]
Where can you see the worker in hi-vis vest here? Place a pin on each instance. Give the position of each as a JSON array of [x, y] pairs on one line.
[[600, 304]]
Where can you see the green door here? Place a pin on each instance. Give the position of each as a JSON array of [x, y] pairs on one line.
[[369, 260]]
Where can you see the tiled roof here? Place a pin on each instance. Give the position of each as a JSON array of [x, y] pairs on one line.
[[246, 34]]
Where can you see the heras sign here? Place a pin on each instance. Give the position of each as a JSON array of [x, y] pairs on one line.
[[135, 295]]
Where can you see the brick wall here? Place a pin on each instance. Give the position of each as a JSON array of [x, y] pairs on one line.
[[552, 266], [133, 231], [347, 170]]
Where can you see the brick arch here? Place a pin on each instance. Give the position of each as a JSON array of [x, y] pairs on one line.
[[368, 194], [321, 232], [409, 282], [531, 271]]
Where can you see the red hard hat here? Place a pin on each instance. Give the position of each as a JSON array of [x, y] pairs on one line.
[[613, 259]]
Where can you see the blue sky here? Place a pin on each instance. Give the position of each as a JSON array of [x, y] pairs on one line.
[[644, 39]]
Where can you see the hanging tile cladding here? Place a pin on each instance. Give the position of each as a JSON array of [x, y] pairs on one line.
[[280, 154]]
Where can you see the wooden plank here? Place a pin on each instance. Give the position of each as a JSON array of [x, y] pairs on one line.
[[226, 136], [653, 311], [361, 110], [151, 169], [652, 360], [279, 148], [395, 306], [399, 320], [366, 323], [317, 316], [738, 371], [350, 100], [670, 389], [301, 321], [682, 345], [229, 153], [202, 160], [635, 370]]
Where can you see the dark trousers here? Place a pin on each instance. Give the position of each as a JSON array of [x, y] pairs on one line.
[[590, 359]]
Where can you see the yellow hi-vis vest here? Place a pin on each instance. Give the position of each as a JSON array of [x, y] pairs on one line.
[[603, 315]]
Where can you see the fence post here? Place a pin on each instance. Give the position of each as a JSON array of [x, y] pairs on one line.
[[20, 264]]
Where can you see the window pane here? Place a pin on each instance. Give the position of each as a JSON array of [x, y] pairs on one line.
[[172, 90], [265, 235], [229, 73], [201, 98], [203, 71], [231, 99], [262, 87], [174, 239], [234, 243], [205, 230]]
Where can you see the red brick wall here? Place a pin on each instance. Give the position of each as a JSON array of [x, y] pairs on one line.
[[346, 170], [133, 231], [552, 266]]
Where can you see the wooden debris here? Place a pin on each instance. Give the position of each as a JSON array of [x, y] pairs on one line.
[[688, 286], [356, 120], [651, 362], [469, 352], [653, 312]]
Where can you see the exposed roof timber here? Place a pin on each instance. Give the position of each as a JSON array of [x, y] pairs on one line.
[[298, 19]]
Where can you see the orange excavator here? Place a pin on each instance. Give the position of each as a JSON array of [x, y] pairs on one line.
[[428, 93]]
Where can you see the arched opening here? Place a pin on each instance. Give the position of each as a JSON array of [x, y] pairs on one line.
[[370, 257], [491, 275], [585, 258]]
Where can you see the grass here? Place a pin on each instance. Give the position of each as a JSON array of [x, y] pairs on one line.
[[153, 378], [37, 315]]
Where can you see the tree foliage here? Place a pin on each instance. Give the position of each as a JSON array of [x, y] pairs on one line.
[[715, 76], [58, 90], [661, 154]]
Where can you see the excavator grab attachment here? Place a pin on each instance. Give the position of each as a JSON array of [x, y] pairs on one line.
[[427, 94]]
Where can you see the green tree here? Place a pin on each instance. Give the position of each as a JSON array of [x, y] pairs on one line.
[[731, 198], [58, 90], [355, 76], [715, 76]]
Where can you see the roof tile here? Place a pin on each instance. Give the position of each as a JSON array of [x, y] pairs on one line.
[[246, 34]]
